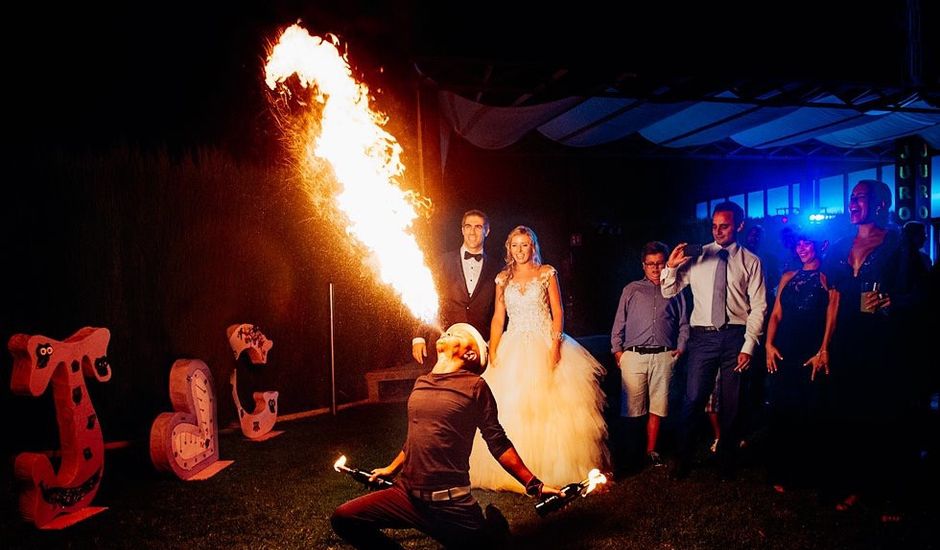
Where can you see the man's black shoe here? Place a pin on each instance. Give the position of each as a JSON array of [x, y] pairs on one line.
[[653, 459]]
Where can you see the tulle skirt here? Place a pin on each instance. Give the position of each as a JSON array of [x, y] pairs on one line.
[[553, 414]]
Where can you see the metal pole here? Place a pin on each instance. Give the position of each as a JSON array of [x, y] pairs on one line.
[[332, 354], [424, 190]]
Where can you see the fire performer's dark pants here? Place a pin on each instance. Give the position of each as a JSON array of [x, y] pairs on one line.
[[456, 523]]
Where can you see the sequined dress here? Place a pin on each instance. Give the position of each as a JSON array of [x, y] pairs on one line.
[[804, 300]]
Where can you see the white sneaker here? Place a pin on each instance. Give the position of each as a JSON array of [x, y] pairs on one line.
[[654, 459]]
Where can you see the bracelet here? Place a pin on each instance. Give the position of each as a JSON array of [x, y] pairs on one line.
[[534, 487], [558, 336]]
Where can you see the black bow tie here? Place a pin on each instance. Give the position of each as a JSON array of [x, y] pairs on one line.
[[467, 255]]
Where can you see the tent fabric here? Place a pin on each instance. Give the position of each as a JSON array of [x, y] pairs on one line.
[[591, 121], [889, 127], [603, 120], [497, 127], [705, 122], [801, 125]]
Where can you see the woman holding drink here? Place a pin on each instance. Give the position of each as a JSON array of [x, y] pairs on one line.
[[867, 290]]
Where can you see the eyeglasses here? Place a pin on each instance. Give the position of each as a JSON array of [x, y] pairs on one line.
[[654, 264], [468, 227]]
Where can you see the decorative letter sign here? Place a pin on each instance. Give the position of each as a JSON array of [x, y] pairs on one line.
[[246, 336], [186, 441], [256, 425], [44, 492]]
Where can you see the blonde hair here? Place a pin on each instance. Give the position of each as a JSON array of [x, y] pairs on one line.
[[536, 251]]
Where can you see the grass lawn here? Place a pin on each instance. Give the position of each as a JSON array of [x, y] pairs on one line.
[[280, 494]]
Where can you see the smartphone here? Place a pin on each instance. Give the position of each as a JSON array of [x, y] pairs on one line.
[[692, 250]]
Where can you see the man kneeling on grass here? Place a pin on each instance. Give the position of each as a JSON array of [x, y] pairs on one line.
[[432, 494]]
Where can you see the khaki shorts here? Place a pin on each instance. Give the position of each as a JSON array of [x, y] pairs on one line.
[[644, 379]]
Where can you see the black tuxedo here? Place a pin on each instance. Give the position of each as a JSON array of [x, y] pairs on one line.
[[456, 306]]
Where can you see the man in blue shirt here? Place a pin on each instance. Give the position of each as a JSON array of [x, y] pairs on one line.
[[648, 336]]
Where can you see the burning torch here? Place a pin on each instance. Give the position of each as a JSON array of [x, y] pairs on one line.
[[361, 476], [570, 492]]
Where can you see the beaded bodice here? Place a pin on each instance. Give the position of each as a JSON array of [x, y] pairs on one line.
[[527, 303]]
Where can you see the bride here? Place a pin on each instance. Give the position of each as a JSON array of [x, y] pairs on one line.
[[545, 383]]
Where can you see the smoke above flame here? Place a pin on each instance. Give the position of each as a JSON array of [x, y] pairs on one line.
[[342, 129]]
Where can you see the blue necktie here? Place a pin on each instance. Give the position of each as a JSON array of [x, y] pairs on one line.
[[720, 290]]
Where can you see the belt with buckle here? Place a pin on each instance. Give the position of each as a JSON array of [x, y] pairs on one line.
[[726, 326], [443, 494], [645, 350]]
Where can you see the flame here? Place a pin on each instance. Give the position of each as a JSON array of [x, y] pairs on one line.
[[595, 478], [340, 462], [366, 161]]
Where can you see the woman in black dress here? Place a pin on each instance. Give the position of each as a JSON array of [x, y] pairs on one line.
[[794, 335]]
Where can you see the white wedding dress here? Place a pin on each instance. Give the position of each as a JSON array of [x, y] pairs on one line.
[[551, 413]]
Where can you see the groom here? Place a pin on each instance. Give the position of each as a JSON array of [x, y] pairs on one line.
[[465, 282]]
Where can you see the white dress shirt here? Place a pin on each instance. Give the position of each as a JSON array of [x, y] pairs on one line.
[[746, 300], [471, 270]]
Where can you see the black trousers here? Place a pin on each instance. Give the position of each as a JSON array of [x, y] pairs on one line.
[[456, 523], [710, 352]]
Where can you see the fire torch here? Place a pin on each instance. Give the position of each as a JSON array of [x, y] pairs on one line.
[[361, 476], [570, 492]]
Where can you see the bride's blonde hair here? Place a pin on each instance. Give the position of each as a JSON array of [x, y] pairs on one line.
[[536, 251]]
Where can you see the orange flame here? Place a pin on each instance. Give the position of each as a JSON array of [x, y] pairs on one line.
[[366, 161], [340, 462]]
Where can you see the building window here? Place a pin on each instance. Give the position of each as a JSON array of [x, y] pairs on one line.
[[831, 195], [857, 176], [755, 204], [934, 188], [738, 200], [778, 201], [934, 206], [887, 176], [712, 204], [701, 211]]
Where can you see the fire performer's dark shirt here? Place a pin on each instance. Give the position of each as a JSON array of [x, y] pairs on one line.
[[444, 411]]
